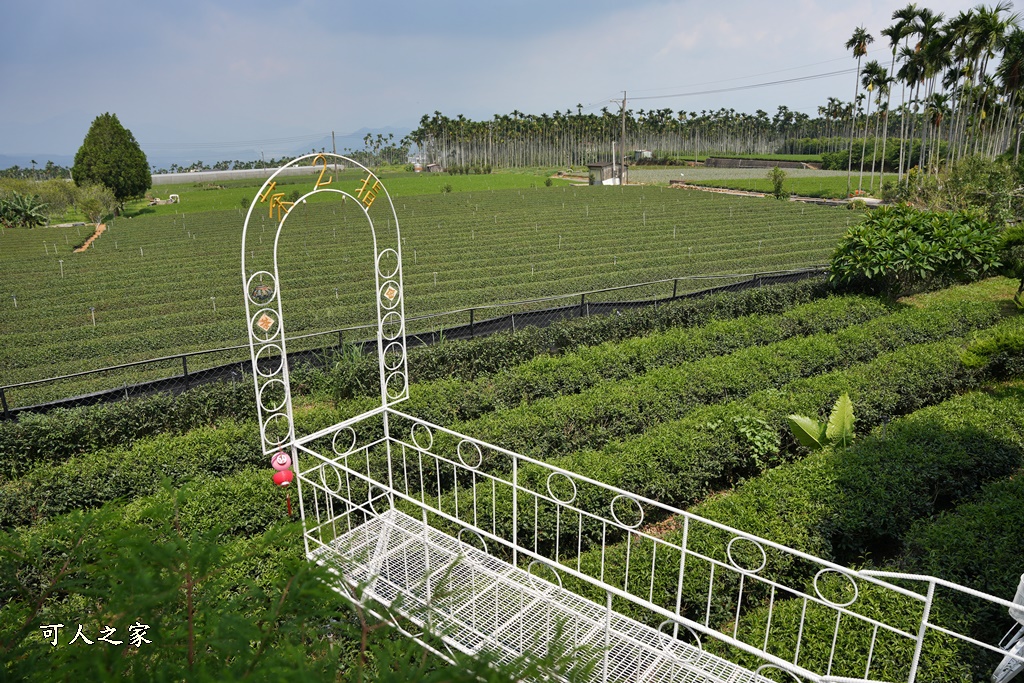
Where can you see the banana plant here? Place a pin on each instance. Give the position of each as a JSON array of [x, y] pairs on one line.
[[837, 431]]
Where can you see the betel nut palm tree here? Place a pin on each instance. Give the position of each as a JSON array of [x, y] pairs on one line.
[[858, 42]]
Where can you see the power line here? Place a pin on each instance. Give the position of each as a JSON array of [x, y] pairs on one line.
[[232, 145], [751, 86], [742, 78]]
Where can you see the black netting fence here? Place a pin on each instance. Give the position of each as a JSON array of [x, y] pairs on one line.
[[180, 372]]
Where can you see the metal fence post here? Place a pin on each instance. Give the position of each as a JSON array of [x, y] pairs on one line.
[[3, 403], [184, 370], [675, 286], [341, 341], [583, 299], [472, 331]]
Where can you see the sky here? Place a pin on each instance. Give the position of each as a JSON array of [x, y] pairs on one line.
[[220, 80]]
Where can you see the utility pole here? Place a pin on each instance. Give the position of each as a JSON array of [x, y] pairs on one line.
[[334, 151], [622, 143]]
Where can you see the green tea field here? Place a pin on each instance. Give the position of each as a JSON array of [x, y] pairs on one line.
[[168, 281], [686, 404]]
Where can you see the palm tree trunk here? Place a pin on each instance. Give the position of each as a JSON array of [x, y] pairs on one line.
[[864, 144], [903, 120], [853, 121], [874, 154]]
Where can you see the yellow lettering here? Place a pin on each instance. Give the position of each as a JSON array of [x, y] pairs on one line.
[[282, 206], [270, 188], [368, 195], [321, 159]]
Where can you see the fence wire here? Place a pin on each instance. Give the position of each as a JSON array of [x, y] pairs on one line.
[[181, 372]]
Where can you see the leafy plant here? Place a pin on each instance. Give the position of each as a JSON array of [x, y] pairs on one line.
[[817, 435], [760, 436], [1011, 253], [897, 250], [778, 177], [22, 210]]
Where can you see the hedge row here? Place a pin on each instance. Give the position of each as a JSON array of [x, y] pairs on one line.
[[682, 462], [549, 428], [842, 506], [61, 433], [351, 374], [241, 505], [976, 544], [95, 478], [91, 479], [487, 355], [445, 401]]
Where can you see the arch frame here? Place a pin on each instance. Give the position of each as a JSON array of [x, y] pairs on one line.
[[262, 292]]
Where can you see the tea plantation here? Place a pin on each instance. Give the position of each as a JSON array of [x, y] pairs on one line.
[[161, 512]]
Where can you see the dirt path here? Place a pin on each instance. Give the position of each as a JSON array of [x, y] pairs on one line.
[[100, 228]]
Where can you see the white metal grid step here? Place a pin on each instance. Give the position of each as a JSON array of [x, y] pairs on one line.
[[481, 602]]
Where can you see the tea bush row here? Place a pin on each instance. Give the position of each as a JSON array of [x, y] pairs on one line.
[[552, 427], [838, 505], [61, 433], [444, 401], [682, 462]]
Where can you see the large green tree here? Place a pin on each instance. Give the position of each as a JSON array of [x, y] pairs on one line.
[[109, 155]]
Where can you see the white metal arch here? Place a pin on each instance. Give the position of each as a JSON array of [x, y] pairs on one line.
[[262, 291]]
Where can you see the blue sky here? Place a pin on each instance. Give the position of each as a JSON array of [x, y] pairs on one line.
[[216, 78]]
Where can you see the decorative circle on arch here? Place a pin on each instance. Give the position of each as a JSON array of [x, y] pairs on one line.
[[639, 513], [387, 264], [277, 421], [390, 294], [394, 354], [266, 354], [350, 438], [395, 385], [391, 326], [273, 390], [735, 563], [479, 537], [473, 447], [817, 589], [428, 436], [551, 489], [261, 292], [264, 324]]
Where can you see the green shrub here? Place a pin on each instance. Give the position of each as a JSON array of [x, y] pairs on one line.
[[55, 436], [88, 480], [778, 177], [558, 426], [897, 250]]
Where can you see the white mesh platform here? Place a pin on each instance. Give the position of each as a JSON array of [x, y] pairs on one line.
[[473, 594]]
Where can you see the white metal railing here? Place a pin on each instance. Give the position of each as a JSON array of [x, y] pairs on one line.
[[487, 549], [701, 580]]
